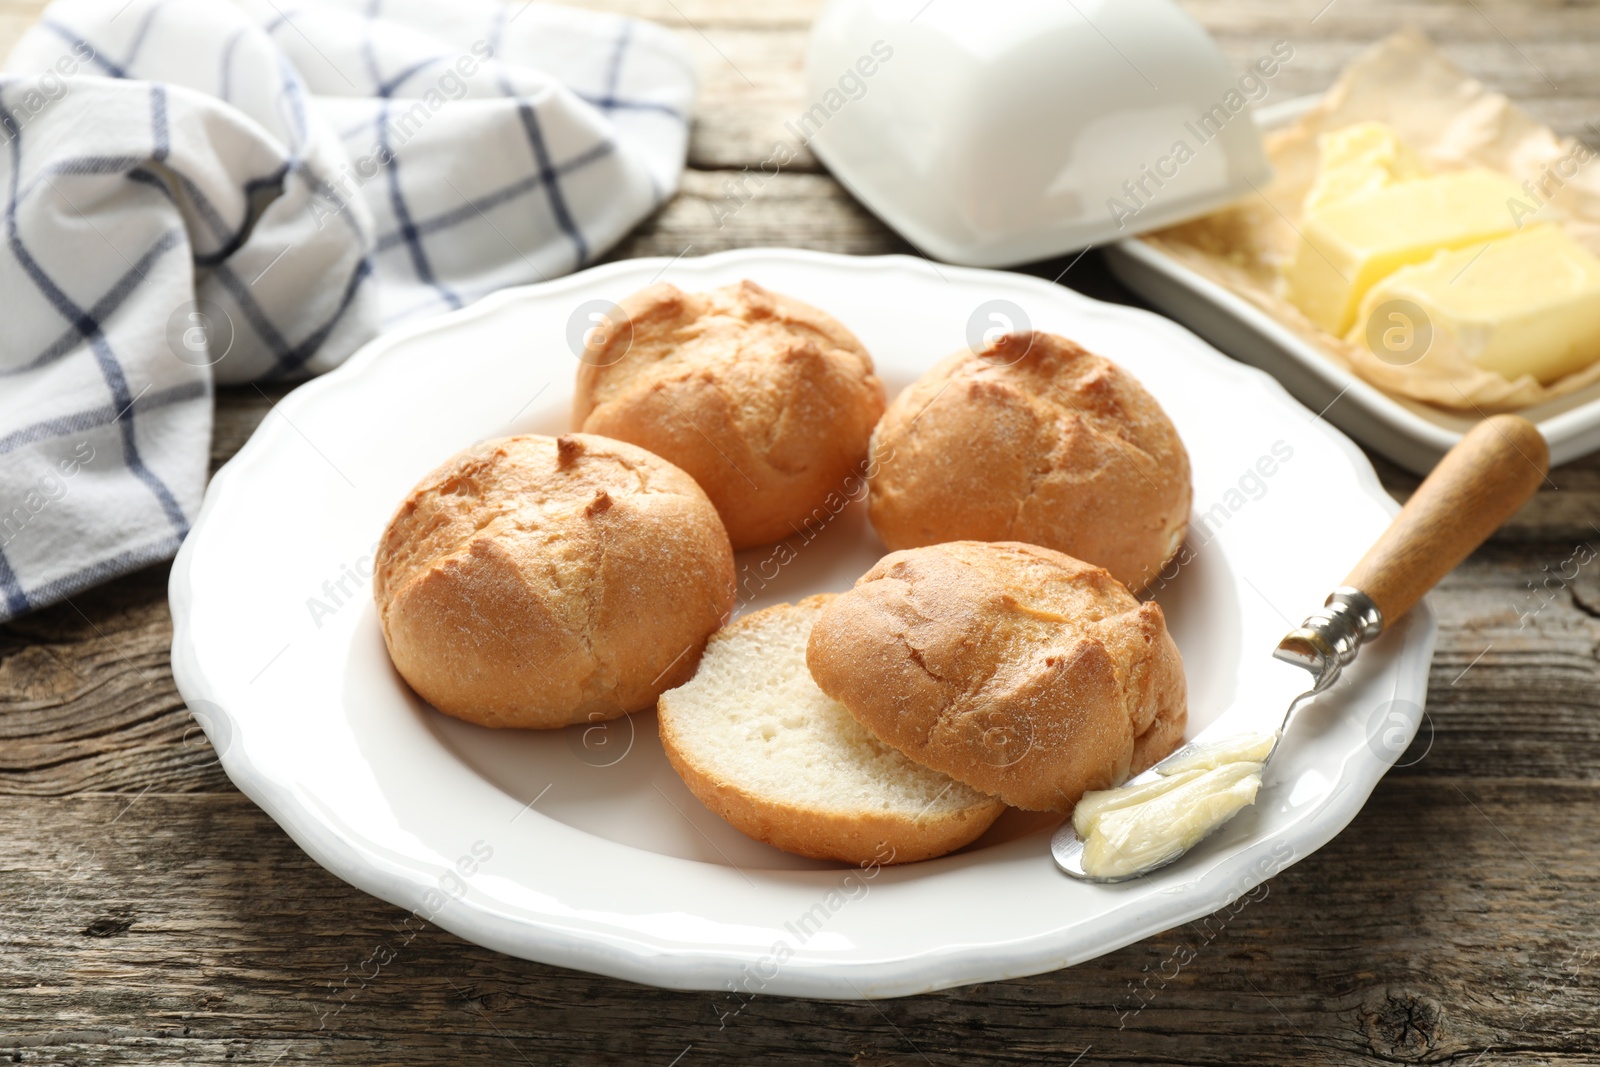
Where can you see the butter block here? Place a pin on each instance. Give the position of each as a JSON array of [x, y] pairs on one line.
[[1360, 158], [1524, 304], [1347, 246]]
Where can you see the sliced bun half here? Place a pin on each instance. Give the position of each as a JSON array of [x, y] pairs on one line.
[[758, 743]]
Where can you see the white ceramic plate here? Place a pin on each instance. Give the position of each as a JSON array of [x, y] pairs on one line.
[[587, 851], [1411, 434]]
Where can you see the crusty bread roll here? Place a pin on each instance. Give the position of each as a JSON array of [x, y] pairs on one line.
[[760, 745], [1023, 672], [766, 401], [536, 582], [1033, 439]]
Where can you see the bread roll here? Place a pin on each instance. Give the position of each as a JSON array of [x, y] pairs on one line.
[[1023, 672], [1033, 439], [760, 745], [536, 582], [766, 401]]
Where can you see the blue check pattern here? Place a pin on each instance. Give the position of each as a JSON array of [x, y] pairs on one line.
[[202, 193]]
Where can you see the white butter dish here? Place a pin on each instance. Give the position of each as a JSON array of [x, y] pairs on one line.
[[1008, 132]]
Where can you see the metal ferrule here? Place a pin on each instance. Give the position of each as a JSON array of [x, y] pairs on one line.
[[1327, 641]]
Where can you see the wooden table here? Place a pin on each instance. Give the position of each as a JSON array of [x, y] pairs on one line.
[[153, 914]]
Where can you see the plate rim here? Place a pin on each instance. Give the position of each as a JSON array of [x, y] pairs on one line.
[[634, 959]]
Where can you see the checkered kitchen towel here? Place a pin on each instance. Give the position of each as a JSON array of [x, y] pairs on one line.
[[206, 191]]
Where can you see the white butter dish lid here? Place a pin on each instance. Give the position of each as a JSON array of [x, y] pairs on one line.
[[1010, 131]]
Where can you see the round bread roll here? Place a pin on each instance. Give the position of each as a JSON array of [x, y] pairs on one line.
[[759, 744], [766, 401], [1023, 672], [1033, 439], [539, 581]]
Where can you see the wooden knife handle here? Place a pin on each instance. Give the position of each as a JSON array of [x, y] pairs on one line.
[[1479, 484]]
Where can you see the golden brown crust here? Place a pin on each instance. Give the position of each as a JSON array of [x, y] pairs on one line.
[[861, 836], [767, 402], [1018, 670], [1033, 439], [536, 582]]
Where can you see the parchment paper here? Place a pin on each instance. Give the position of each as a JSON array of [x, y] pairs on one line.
[[1453, 122]]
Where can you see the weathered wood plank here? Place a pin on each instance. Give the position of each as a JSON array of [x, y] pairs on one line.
[[711, 214], [704, 14], [185, 928]]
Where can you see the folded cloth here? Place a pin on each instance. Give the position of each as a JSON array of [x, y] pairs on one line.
[[202, 192]]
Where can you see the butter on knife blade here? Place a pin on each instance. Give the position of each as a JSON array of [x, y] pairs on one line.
[[1137, 826]]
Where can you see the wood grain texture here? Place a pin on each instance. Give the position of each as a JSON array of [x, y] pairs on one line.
[[1480, 483], [208, 937], [150, 914]]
